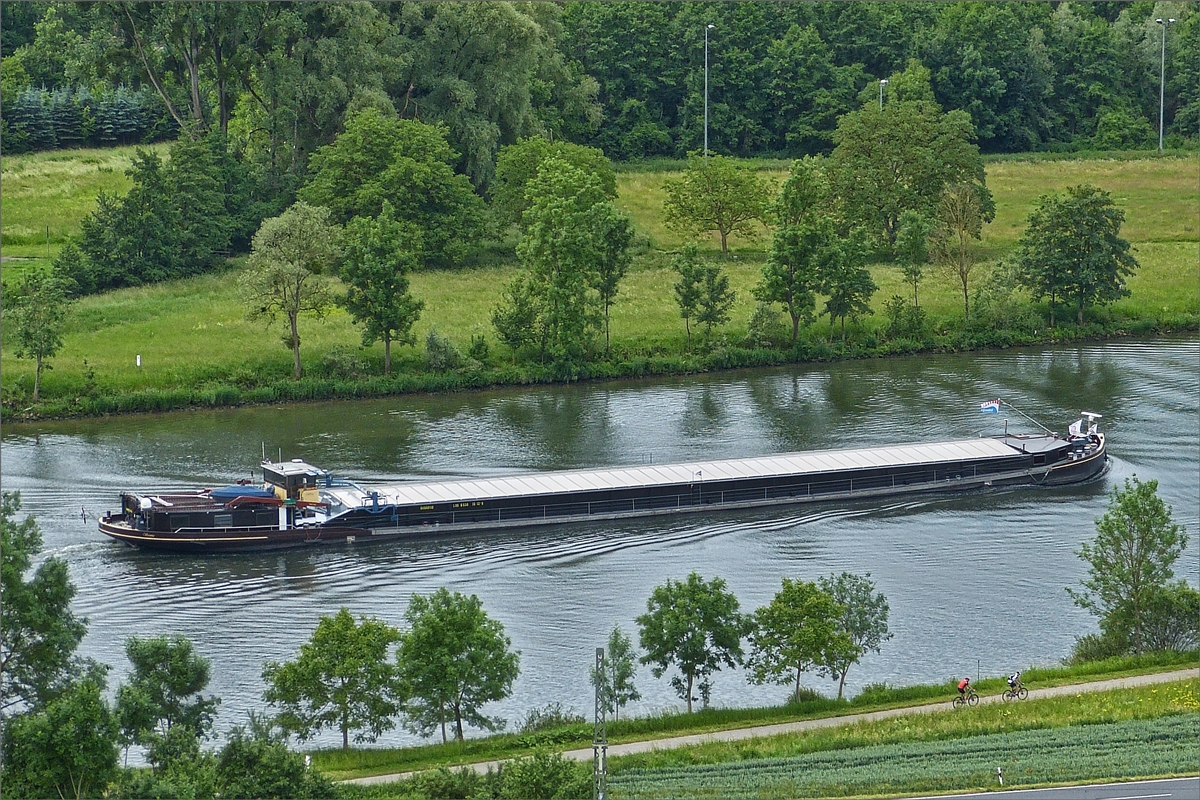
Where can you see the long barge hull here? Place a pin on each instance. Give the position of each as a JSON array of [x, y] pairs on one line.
[[347, 513]]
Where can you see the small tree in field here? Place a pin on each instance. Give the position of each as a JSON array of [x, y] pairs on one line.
[[1072, 251], [696, 627], [37, 315], [1130, 560], [690, 286], [342, 679], [960, 219], [716, 194], [912, 248], [290, 254], [380, 253]]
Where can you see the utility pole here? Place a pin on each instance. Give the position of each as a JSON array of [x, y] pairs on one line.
[[600, 738]]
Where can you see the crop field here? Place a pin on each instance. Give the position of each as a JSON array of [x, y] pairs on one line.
[[1119, 750], [1049, 741]]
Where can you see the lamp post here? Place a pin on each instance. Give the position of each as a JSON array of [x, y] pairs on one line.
[[882, 83], [1162, 77], [706, 30]]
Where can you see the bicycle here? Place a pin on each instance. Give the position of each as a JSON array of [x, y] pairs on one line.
[[968, 698], [1018, 692]]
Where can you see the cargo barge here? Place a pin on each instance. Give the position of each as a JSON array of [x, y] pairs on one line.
[[300, 505]]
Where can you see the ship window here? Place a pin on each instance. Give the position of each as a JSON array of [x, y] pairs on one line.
[[223, 520], [1039, 459]]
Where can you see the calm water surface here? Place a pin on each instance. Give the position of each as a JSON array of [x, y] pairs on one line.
[[975, 583]]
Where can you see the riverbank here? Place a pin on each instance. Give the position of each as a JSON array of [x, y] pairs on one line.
[[645, 735], [1058, 735], [187, 344]]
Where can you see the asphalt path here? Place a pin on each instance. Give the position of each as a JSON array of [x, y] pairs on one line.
[[737, 734], [1166, 789]]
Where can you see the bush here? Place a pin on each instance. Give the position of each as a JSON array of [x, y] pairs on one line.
[[546, 775], [905, 320], [766, 328], [479, 348], [441, 353], [549, 716], [343, 361]]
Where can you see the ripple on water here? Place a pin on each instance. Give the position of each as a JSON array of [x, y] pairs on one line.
[[975, 583]]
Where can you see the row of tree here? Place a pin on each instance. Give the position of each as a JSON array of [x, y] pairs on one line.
[[38, 119], [384, 201], [629, 78]]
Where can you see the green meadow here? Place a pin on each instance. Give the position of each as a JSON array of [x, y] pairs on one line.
[[192, 334]]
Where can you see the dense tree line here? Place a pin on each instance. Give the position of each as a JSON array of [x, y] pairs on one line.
[[626, 77]]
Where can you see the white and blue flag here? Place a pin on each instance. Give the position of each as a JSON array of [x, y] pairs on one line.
[[990, 407]]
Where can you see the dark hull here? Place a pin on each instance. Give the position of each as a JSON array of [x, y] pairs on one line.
[[374, 527]]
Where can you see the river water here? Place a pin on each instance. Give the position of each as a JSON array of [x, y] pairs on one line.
[[976, 583]]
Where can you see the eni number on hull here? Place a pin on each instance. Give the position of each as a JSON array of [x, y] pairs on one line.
[[299, 505]]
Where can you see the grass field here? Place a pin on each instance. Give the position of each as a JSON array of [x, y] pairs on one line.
[[193, 333]]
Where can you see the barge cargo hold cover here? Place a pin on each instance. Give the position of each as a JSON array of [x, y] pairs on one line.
[[299, 504]]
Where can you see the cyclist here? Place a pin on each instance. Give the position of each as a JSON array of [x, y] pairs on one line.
[[963, 685], [1014, 680]]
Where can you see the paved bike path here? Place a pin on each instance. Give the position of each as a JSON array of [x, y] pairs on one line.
[[736, 734]]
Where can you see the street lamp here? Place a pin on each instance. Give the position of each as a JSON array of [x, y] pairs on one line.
[[1162, 77], [882, 84], [706, 30]]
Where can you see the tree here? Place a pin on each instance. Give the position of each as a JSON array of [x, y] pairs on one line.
[[38, 315], [408, 164], [615, 685], [716, 298], [342, 679], [164, 693], [716, 194], [690, 286], [517, 164], [378, 256], [1173, 621], [846, 280], [797, 631], [1071, 250], [900, 158], [516, 318], [1130, 559], [575, 245], [68, 748], [694, 626], [912, 248], [38, 634], [792, 274], [135, 239], [614, 231], [959, 220], [290, 253], [864, 620], [452, 661]]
